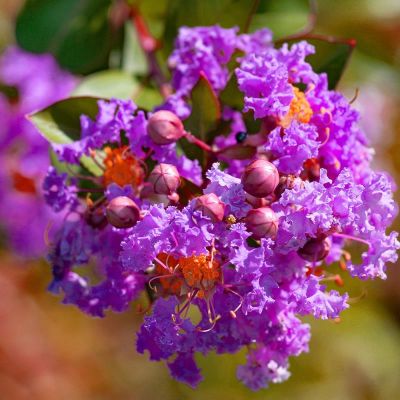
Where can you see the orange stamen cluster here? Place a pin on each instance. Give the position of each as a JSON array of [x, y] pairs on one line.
[[300, 109], [170, 284], [122, 168], [187, 273], [200, 271]]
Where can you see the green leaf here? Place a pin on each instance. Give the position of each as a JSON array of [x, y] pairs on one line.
[[60, 123], [203, 120], [283, 17], [331, 56], [133, 57], [334, 62], [147, 98], [108, 84], [77, 32], [231, 95], [206, 110], [62, 166], [226, 13]]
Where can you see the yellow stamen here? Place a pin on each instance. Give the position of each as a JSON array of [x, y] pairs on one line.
[[300, 109]]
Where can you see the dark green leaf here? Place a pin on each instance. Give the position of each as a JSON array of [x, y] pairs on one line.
[[206, 110], [252, 125], [60, 123], [231, 95], [190, 150], [203, 119], [11, 92], [77, 32], [252, 242], [334, 62], [331, 56]]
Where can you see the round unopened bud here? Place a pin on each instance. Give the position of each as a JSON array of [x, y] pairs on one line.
[[260, 178], [122, 212], [314, 250], [165, 179], [262, 222], [147, 193], [164, 127], [211, 206], [174, 198]]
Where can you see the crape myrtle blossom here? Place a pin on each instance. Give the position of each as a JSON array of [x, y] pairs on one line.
[[207, 51], [118, 142], [115, 119], [320, 209], [77, 244], [247, 237], [35, 81], [263, 291]]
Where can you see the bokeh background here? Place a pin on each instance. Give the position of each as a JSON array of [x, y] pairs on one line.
[[50, 351]]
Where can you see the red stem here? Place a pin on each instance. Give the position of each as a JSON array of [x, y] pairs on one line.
[[150, 45], [199, 143], [306, 32], [326, 38]]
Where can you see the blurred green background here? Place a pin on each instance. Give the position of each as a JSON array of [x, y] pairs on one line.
[[49, 351]]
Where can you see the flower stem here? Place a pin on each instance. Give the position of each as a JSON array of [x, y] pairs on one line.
[[199, 143], [150, 45], [356, 239]]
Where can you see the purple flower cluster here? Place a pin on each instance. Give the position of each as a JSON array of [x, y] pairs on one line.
[[34, 82], [234, 249]]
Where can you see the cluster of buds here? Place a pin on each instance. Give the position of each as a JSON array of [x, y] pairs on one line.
[[259, 180], [237, 218]]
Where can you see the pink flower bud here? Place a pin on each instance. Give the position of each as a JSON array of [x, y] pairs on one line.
[[314, 250], [148, 194], [260, 178], [211, 206], [165, 179], [122, 212], [164, 127], [262, 222], [174, 198]]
